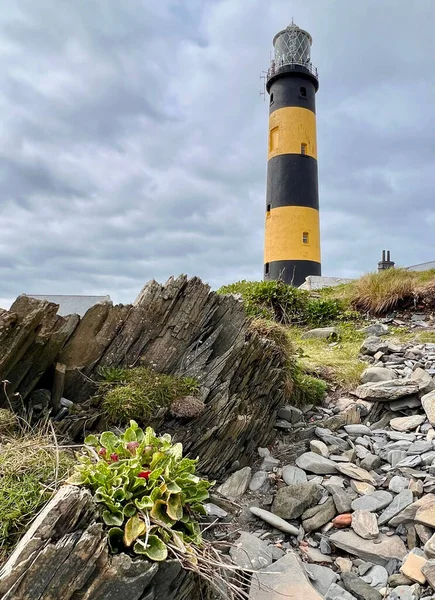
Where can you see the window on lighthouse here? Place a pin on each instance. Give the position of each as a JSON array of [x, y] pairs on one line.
[[303, 92], [305, 237], [274, 139], [303, 148]]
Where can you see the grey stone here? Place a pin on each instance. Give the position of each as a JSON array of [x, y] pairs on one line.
[[409, 461], [403, 403], [397, 436], [284, 578], [355, 472], [249, 552], [292, 475], [425, 381], [375, 374], [342, 499], [398, 483], [258, 480], [325, 546], [361, 452], [419, 447], [291, 414], [359, 588], [429, 547], [321, 577], [336, 592], [282, 424], [332, 440], [274, 520], [375, 329], [364, 524], [428, 403], [291, 501], [371, 462], [357, 430], [378, 551], [324, 333], [400, 502], [373, 502], [376, 576], [386, 391], [407, 423], [315, 555], [363, 441], [315, 517], [215, 511], [263, 452], [372, 345], [427, 458], [269, 463], [319, 447], [277, 553], [421, 511], [339, 458], [314, 463], [395, 456], [237, 484], [404, 592]]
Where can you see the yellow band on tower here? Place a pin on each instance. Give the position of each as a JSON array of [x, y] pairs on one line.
[[286, 239], [289, 128]]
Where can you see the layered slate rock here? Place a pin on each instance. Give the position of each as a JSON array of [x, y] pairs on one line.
[[291, 501], [385, 391], [314, 463], [378, 551]]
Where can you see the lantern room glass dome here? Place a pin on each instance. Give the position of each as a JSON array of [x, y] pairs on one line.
[[292, 48]]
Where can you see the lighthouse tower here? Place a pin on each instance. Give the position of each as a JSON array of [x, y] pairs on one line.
[[292, 233]]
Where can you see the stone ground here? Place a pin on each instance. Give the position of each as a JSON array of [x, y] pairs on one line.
[[343, 505]]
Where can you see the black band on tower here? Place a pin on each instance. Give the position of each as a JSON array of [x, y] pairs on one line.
[[292, 181]]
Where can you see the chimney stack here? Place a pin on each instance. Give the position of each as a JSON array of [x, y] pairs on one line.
[[385, 263]]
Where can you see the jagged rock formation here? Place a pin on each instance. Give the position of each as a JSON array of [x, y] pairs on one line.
[[180, 327], [65, 555]]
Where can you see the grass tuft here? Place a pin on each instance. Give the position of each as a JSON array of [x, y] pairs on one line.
[[138, 393]]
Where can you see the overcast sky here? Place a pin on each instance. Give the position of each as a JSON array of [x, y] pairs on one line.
[[133, 138]]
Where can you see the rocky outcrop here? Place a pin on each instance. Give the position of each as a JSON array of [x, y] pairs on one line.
[[180, 327], [65, 555]]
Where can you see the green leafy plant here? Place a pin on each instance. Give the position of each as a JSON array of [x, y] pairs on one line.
[[138, 393], [149, 493]]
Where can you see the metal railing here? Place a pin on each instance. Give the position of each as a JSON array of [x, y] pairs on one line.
[[276, 66]]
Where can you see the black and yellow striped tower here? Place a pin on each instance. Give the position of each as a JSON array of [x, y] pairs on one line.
[[292, 237]]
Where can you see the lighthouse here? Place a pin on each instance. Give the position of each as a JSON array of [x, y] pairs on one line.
[[292, 231]]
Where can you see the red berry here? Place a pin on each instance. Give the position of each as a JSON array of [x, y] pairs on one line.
[[132, 446], [102, 452], [114, 457], [144, 474]]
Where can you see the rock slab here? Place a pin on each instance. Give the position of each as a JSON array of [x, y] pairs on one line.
[[378, 551]]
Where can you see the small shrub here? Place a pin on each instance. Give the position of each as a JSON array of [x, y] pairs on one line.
[[323, 311], [149, 493], [306, 389], [138, 393]]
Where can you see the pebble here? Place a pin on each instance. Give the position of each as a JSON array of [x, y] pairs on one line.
[[373, 502], [365, 524], [258, 480], [274, 520], [398, 483], [292, 474]]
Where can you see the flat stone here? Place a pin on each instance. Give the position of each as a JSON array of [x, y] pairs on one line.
[[319, 447], [336, 592], [315, 555], [409, 514], [428, 571], [284, 578], [215, 511], [357, 430], [274, 520], [372, 345], [314, 463], [344, 564], [427, 458], [398, 483], [403, 403], [354, 472], [249, 552], [376, 576], [332, 440], [361, 487], [375, 329], [429, 547], [386, 391], [315, 517], [292, 475], [425, 534], [258, 480], [364, 524], [373, 502], [237, 484], [291, 414], [398, 436], [342, 499], [291, 501], [395, 456], [321, 333], [371, 462], [359, 588], [409, 461], [428, 403], [412, 568], [321, 578], [378, 551], [374, 374], [407, 423], [361, 451], [419, 447], [424, 380], [400, 502], [339, 458]]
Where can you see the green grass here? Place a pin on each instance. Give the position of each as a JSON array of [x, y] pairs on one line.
[[138, 393], [339, 363], [29, 462]]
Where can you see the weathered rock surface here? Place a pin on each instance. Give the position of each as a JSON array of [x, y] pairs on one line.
[[428, 403], [284, 578], [291, 501], [355, 472], [237, 484], [359, 588], [292, 475], [249, 552], [407, 423], [378, 551], [373, 502], [314, 463], [375, 374], [385, 391], [315, 517], [400, 502], [365, 525]]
